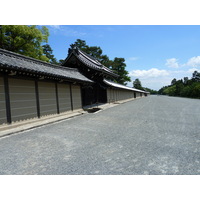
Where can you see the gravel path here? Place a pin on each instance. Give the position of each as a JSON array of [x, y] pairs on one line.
[[153, 135]]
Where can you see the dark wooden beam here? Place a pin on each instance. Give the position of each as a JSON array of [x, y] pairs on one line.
[[71, 96], [37, 98], [57, 100], [7, 99]]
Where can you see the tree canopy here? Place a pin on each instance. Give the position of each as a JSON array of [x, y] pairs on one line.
[[25, 40], [183, 88], [137, 84], [48, 52]]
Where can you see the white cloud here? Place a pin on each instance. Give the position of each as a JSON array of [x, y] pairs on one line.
[[133, 58], [156, 78], [172, 62], [65, 30], [192, 70], [194, 62], [55, 26], [151, 73]]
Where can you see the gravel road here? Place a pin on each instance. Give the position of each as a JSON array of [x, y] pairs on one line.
[[153, 135]]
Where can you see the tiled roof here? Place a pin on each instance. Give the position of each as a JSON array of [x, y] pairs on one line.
[[89, 61], [117, 85], [14, 61]]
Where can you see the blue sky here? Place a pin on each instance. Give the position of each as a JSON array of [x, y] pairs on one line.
[[153, 53]]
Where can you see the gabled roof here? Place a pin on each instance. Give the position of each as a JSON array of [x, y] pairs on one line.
[[117, 85], [89, 61], [17, 62]]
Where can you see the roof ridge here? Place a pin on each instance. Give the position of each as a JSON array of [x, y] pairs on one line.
[[92, 58], [27, 58], [95, 61]]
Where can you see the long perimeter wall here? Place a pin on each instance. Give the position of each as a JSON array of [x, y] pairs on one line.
[[22, 99], [114, 94]]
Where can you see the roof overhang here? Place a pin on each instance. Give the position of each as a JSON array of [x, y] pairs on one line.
[[88, 61], [117, 85], [17, 63]]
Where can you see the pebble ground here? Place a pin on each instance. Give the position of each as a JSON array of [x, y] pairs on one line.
[[153, 135]]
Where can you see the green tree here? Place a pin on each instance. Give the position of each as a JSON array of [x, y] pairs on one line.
[[118, 66], [171, 91], [196, 76], [195, 90], [23, 39], [173, 82], [47, 50], [104, 60], [150, 90], [94, 51], [184, 88], [61, 61], [186, 91], [179, 86], [81, 44], [137, 84], [185, 80]]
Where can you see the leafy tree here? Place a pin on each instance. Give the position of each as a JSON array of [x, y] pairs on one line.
[[47, 50], [195, 90], [171, 91], [104, 60], [150, 90], [185, 80], [184, 88], [26, 40], [81, 44], [179, 87], [61, 61], [94, 51], [173, 82], [162, 90], [118, 66], [137, 84], [186, 91], [196, 76]]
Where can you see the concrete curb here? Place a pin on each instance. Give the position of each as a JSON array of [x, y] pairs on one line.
[[34, 123]]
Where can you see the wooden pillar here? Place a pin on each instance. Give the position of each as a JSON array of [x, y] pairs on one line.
[[81, 90], [7, 99], [37, 98], [71, 97], [57, 101]]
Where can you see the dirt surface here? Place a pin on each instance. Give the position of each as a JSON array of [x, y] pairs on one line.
[[153, 135]]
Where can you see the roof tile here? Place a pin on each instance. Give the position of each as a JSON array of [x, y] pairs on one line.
[[15, 61]]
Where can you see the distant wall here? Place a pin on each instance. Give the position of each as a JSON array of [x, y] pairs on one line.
[[114, 94]]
